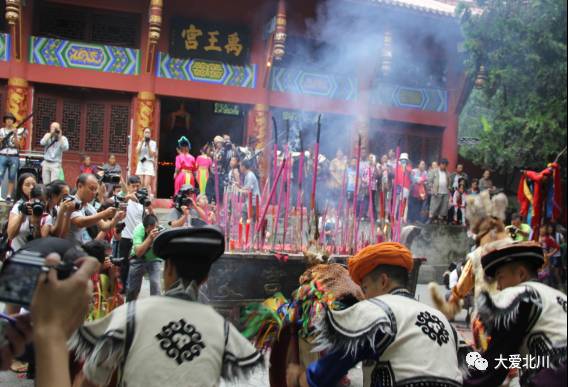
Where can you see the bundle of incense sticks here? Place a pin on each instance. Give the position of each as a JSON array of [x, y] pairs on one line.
[[286, 182]]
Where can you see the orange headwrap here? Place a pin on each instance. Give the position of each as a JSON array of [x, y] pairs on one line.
[[386, 253]]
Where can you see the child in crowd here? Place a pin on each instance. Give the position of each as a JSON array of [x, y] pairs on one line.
[[86, 166], [458, 201], [550, 247], [233, 178], [474, 189]]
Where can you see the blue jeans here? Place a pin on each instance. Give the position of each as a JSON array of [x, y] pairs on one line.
[[136, 273], [10, 163]]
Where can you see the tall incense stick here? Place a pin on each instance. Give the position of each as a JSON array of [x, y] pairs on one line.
[[287, 177], [316, 159], [299, 204], [279, 205], [356, 193], [275, 149], [272, 190]]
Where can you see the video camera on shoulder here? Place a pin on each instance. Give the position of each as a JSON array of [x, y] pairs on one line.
[[143, 197], [19, 276]]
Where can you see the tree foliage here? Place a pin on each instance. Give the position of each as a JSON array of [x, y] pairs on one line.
[[520, 114]]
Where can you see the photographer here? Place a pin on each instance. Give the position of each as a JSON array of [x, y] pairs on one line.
[[10, 142], [186, 212], [147, 151], [106, 282], [59, 207], [143, 260], [110, 173], [23, 225], [54, 143], [86, 216], [518, 230], [134, 214]]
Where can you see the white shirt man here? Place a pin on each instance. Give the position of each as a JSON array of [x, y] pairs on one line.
[[87, 216], [54, 143]]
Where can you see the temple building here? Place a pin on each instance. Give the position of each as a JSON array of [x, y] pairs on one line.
[[389, 70]]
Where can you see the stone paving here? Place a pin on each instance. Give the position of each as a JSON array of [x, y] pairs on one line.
[[261, 378]]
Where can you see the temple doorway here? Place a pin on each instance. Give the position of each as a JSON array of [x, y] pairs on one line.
[[200, 121]]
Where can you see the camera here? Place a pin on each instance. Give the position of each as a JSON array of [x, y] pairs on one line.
[[119, 227], [117, 261], [512, 232], [143, 197], [78, 204], [110, 178], [36, 205], [182, 198], [19, 275], [119, 203]]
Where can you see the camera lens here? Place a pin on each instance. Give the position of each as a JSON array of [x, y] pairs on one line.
[[37, 208]]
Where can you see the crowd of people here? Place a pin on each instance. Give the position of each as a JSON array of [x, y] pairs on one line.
[[109, 222], [113, 214], [431, 194]]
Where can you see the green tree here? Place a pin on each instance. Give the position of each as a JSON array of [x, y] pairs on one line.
[[519, 115]]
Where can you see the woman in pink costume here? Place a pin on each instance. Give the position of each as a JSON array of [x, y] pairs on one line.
[[203, 163], [185, 165]]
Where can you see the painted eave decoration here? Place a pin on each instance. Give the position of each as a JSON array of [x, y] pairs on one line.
[[205, 70], [4, 47], [87, 56]]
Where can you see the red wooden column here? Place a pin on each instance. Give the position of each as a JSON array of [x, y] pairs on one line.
[[19, 92], [450, 141], [263, 53], [145, 105], [456, 84]]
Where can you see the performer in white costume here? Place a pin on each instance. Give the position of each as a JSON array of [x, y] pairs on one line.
[[169, 340]]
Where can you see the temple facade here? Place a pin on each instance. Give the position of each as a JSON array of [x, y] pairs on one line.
[[107, 69]]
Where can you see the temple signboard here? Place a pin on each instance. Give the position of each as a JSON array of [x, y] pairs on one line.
[[206, 40]]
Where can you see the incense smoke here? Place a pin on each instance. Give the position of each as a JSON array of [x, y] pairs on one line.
[[347, 39]]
